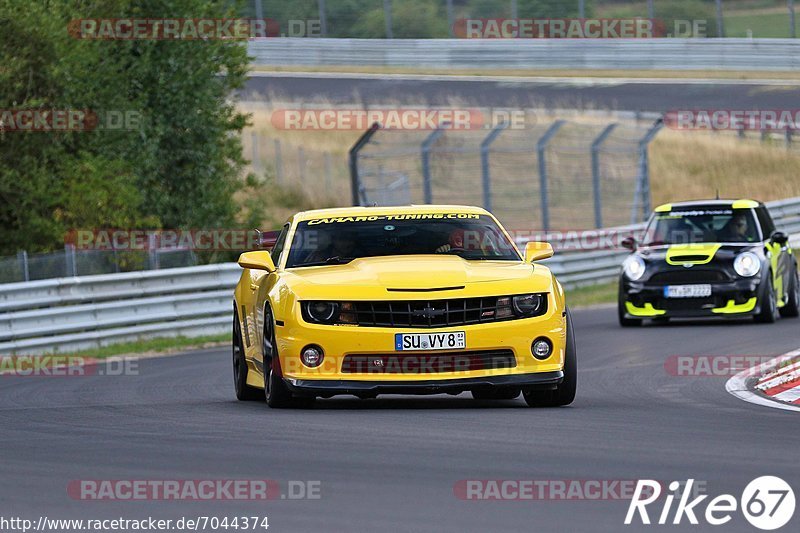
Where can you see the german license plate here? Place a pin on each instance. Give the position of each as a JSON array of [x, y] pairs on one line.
[[453, 340], [687, 291]]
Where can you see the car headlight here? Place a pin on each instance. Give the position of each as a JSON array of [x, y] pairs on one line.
[[321, 312], [527, 305], [747, 264], [634, 267]]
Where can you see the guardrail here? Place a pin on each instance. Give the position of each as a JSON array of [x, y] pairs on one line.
[[82, 312], [532, 54]]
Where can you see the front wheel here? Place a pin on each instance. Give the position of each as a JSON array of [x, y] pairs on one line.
[[769, 307], [564, 394], [276, 393], [244, 392], [792, 307]]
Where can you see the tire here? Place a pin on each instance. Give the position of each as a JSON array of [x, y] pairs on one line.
[[792, 307], [623, 320], [495, 394], [564, 394], [244, 392], [276, 393], [769, 307]]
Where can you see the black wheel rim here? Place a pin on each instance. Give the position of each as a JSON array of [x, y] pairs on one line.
[[267, 347], [237, 352]]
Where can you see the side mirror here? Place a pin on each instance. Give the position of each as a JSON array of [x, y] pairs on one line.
[[536, 251], [780, 238], [629, 243], [257, 260]]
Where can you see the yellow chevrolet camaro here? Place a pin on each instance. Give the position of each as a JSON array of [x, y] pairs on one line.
[[400, 300]]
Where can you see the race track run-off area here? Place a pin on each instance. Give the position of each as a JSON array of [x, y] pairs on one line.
[[400, 463]]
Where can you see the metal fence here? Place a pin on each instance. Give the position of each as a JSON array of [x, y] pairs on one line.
[[533, 54], [82, 312], [555, 174], [71, 262]]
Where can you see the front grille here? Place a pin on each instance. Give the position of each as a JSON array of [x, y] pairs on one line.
[[428, 313], [688, 275], [428, 363]]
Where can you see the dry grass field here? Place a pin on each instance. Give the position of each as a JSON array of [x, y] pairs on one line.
[[684, 165]]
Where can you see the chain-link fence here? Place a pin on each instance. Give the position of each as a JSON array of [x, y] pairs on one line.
[[550, 175], [71, 262]]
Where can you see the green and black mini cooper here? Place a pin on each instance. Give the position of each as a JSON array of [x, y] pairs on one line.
[[721, 258]]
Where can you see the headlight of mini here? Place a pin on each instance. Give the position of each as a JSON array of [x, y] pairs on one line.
[[527, 305], [747, 264], [321, 312], [634, 267]]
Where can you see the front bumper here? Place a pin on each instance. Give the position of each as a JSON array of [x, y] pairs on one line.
[[733, 298], [339, 342], [544, 380]]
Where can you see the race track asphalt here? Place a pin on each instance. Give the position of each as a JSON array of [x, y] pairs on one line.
[[391, 464], [624, 95]]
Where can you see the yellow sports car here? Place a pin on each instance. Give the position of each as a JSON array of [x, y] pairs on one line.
[[400, 300]]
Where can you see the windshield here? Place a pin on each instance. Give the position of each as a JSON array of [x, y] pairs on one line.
[[340, 240], [702, 225]]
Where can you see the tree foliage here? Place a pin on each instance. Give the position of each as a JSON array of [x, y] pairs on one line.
[[177, 166]]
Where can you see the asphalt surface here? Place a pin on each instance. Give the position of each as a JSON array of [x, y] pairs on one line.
[[578, 94], [391, 464]]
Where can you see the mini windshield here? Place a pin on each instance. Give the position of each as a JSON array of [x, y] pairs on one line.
[[340, 240], [719, 225]]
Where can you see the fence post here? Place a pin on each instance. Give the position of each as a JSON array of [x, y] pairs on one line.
[[152, 253], [642, 192], [22, 257], [427, 186], [69, 260], [355, 180], [486, 177], [278, 162], [598, 198], [301, 164], [788, 137], [541, 146], [328, 181], [256, 159]]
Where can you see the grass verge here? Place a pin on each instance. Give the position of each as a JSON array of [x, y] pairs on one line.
[[604, 293], [160, 346]]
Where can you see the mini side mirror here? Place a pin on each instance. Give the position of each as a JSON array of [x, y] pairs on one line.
[[780, 238], [629, 243]]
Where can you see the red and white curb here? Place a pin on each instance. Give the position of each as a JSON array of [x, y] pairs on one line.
[[775, 383]]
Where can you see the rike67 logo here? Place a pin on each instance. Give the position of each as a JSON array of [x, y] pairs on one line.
[[767, 503]]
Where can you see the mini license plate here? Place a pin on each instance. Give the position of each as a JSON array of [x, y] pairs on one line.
[[453, 340], [687, 291]]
